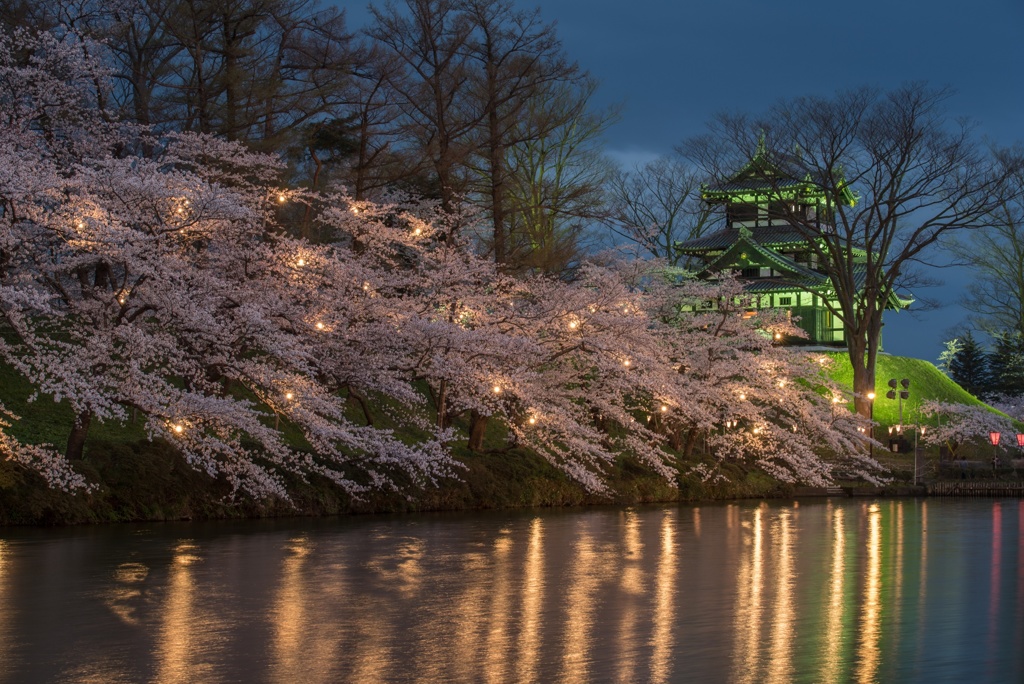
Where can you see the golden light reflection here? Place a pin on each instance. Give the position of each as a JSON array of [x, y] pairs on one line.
[[470, 622], [533, 600], [579, 610], [498, 666], [696, 522], [632, 583], [404, 570], [126, 589], [871, 608], [896, 578], [780, 659], [749, 610], [289, 619], [4, 619], [834, 638], [664, 608], [178, 644], [632, 573]]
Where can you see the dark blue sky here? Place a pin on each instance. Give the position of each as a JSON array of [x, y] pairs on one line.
[[673, 65]]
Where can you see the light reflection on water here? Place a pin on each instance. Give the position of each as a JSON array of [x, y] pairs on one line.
[[823, 591]]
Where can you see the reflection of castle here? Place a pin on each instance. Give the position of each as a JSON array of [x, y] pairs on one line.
[[772, 223]]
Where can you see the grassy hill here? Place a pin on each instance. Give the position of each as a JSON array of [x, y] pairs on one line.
[[926, 383]]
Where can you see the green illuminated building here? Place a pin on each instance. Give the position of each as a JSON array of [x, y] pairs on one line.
[[770, 221]]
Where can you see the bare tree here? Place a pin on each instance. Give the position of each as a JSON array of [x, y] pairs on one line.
[[557, 177], [915, 177], [428, 38], [657, 205], [995, 294], [516, 56]]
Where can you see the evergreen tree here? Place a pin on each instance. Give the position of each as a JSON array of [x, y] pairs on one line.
[[1006, 364], [968, 365]]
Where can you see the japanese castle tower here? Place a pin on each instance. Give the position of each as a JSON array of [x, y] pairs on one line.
[[770, 222]]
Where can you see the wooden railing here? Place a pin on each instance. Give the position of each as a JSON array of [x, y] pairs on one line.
[[976, 488]]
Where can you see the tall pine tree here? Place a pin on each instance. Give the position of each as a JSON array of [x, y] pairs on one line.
[[969, 366], [1006, 364]]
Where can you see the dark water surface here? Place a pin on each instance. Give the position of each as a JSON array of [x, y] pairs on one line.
[[821, 591]]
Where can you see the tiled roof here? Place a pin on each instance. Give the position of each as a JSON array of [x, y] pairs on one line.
[[769, 236], [757, 183]]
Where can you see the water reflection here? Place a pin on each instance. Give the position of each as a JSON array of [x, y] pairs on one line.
[[829, 591], [835, 636], [665, 605], [532, 596], [871, 605], [184, 623]]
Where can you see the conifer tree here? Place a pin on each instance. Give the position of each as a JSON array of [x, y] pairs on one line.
[[968, 366], [1006, 364]]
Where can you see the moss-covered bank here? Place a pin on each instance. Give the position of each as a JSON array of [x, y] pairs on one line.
[[149, 481]]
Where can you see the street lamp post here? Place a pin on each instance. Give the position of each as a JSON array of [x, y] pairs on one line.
[[993, 437], [871, 417], [917, 434]]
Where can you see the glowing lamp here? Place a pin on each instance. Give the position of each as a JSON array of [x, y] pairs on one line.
[[778, 336], [179, 429], [533, 421], [319, 326], [871, 396], [626, 363], [664, 408], [281, 198], [573, 325], [302, 262], [1020, 440], [289, 396], [993, 438], [497, 389]]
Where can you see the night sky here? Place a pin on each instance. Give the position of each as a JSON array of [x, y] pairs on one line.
[[674, 65]]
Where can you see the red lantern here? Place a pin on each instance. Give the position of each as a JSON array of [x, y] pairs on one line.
[[1020, 440], [994, 438]]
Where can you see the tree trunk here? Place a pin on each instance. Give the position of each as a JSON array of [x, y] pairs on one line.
[[76, 440], [497, 187], [477, 430], [441, 401], [863, 351], [691, 442]]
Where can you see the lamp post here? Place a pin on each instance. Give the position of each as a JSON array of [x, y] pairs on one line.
[[902, 393], [1020, 445], [993, 437], [871, 417], [917, 434]]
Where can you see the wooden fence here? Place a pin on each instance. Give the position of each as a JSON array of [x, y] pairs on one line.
[[976, 488]]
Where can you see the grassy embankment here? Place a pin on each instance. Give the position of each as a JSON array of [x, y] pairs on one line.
[[140, 479]]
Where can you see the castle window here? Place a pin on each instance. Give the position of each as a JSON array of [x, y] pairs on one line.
[[785, 301], [742, 213]]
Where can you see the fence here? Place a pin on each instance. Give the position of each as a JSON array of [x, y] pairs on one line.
[[976, 488]]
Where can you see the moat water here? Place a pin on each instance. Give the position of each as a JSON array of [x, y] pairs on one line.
[[840, 590]]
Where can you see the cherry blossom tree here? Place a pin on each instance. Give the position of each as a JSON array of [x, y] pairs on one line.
[[148, 275], [959, 424]]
